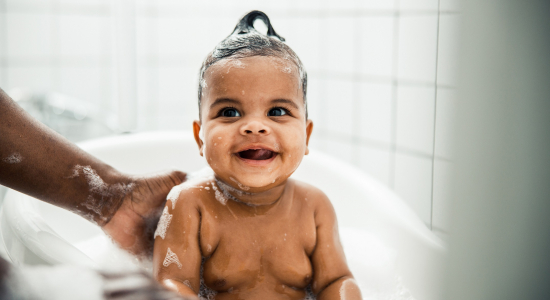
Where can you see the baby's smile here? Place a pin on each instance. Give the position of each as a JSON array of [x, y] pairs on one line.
[[257, 155]]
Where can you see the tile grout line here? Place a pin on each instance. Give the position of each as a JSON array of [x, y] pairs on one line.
[[435, 117]]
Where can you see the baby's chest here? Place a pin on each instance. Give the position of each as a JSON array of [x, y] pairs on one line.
[[250, 252]]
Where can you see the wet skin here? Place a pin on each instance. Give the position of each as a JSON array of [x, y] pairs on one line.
[[271, 236]]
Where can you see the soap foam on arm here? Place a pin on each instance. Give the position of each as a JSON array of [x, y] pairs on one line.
[[176, 256]]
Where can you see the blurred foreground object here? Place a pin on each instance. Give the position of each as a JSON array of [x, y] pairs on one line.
[[500, 239], [65, 282]]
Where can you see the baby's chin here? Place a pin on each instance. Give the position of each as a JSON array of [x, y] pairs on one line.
[[254, 182]]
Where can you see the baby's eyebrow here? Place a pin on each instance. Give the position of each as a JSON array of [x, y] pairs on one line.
[[224, 101], [286, 101]]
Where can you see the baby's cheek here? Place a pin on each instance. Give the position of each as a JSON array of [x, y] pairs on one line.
[[216, 150]]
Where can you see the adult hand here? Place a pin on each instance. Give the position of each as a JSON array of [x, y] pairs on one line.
[[37, 161], [133, 224]]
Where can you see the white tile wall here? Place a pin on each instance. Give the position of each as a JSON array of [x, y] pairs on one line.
[[303, 36], [450, 5], [146, 37], [376, 5], [82, 82], [415, 118], [177, 96], [340, 49], [309, 5], [443, 235], [318, 103], [429, 5], [34, 5], [86, 3], [314, 101], [3, 43], [413, 182], [417, 47], [38, 78], [339, 108], [341, 4], [106, 88], [28, 35], [447, 64], [171, 38], [444, 122], [147, 92], [83, 35], [375, 106], [442, 190], [376, 40]]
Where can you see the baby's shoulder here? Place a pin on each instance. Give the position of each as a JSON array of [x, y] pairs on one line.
[[316, 199], [310, 193], [189, 194]]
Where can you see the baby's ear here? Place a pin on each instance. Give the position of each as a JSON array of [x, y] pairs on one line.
[[197, 133], [309, 129]]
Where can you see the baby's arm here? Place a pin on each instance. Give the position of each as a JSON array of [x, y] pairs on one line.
[[177, 256], [332, 278]]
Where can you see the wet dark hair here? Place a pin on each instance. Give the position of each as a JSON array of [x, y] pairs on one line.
[[246, 41]]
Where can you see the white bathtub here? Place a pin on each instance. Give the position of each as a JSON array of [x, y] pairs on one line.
[[382, 236]]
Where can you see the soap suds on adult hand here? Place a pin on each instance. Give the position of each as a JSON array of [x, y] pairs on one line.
[[14, 158]]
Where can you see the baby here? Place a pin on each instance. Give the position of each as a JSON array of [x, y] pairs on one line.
[[248, 231]]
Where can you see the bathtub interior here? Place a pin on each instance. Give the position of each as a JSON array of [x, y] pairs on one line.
[[390, 251]]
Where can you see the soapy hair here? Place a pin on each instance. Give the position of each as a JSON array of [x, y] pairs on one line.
[[246, 41]]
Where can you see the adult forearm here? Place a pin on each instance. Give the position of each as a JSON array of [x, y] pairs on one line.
[[39, 162]]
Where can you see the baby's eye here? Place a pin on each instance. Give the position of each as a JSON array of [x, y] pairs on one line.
[[230, 113], [276, 112]]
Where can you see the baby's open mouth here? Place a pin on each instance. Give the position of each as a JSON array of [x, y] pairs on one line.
[[256, 154]]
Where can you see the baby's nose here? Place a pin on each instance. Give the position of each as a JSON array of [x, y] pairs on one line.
[[254, 127]]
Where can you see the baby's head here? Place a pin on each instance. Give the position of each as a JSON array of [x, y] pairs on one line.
[[253, 127]]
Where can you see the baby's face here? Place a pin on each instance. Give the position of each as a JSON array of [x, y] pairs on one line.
[[253, 130]]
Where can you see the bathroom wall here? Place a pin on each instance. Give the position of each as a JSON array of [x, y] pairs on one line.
[[381, 91]]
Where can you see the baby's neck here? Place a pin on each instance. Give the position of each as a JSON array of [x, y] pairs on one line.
[[263, 198]]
